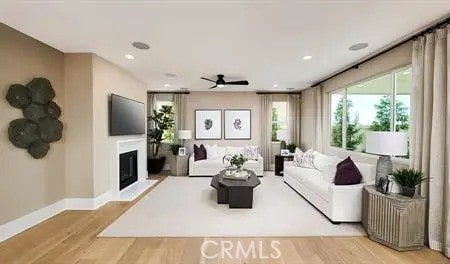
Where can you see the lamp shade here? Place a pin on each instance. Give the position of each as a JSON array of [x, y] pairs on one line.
[[184, 134], [283, 134], [387, 143]]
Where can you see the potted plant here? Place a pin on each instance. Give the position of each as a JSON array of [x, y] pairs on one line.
[[291, 147], [163, 120], [408, 179], [236, 161], [174, 148]]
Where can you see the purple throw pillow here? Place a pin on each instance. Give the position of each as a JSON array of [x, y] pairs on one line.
[[347, 173], [199, 152]]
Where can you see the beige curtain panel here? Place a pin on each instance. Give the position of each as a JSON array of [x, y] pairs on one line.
[[294, 118], [318, 142], [151, 104], [179, 102], [265, 143], [430, 130]]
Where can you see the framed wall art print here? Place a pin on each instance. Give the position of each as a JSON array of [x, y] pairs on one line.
[[238, 124], [208, 124]]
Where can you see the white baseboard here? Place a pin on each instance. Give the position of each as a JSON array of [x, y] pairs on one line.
[[25, 222], [88, 203], [21, 224]]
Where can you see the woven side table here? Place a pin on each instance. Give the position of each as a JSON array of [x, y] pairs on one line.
[[394, 220]]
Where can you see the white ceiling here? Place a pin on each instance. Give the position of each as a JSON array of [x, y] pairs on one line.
[[261, 41]]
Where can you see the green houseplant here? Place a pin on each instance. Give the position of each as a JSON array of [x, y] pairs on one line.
[[163, 120], [408, 179], [291, 147], [236, 161], [174, 148]]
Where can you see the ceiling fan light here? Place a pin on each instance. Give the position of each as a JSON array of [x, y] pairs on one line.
[[221, 85]]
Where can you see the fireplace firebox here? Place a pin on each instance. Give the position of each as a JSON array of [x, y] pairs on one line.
[[128, 168]]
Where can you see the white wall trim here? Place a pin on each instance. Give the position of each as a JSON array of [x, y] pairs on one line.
[[25, 222], [88, 203]]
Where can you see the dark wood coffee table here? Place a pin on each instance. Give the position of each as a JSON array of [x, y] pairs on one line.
[[235, 193]]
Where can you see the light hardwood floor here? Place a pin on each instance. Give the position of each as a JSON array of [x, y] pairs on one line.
[[70, 237]]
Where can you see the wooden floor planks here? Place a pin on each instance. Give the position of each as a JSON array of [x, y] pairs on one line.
[[71, 238]]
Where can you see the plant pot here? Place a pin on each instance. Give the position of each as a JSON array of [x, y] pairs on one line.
[[408, 191], [155, 165]]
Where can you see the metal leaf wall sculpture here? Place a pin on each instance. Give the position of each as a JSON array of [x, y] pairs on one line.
[[40, 125]]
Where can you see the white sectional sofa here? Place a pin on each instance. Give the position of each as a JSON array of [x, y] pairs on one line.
[[340, 203], [210, 167]]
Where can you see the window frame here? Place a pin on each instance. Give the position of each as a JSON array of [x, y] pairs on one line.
[[343, 92], [158, 102], [285, 122]]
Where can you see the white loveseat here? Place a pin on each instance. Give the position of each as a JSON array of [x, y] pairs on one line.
[[340, 203], [210, 167]]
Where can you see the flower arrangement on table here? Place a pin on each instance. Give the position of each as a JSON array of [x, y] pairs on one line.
[[236, 161]]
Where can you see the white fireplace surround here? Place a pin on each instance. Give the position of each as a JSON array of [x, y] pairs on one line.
[[135, 189]]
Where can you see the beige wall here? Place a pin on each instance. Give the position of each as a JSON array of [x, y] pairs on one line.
[[223, 100], [79, 127], [396, 58], [107, 79], [28, 184], [78, 166]]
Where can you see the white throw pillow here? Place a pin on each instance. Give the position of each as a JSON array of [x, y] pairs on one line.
[[329, 173], [304, 159], [211, 152], [322, 161], [251, 152], [234, 150]]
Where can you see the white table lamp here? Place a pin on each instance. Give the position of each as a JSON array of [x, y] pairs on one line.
[[283, 136], [386, 144], [184, 134]]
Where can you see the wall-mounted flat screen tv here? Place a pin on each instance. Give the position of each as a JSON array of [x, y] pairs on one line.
[[126, 116]]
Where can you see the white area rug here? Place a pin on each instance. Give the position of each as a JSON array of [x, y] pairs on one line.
[[187, 207]]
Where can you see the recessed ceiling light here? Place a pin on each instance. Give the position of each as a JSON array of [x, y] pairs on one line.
[[166, 85], [129, 56], [141, 45], [275, 85], [308, 57], [358, 46], [170, 75]]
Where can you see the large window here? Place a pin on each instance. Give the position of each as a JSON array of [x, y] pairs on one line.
[[169, 134], [367, 106], [279, 118]]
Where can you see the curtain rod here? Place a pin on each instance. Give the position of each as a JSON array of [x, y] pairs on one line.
[[167, 92], [356, 65], [299, 92]]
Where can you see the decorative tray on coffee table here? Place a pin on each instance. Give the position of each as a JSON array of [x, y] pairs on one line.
[[236, 175]]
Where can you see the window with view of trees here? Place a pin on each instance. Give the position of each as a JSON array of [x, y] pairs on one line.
[[169, 134], [279, 118], [367, 106]]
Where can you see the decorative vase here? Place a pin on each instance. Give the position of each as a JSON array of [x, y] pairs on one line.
[[408, 191]]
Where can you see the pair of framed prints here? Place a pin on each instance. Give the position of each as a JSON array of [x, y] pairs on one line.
[[237, 124]]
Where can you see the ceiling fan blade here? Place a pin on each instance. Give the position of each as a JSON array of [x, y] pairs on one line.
[[212, 87], [207, 79], [237, 83]]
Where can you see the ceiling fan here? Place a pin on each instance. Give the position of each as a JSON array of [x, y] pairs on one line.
[[221, 82]]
